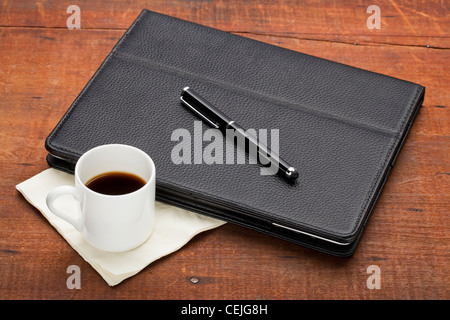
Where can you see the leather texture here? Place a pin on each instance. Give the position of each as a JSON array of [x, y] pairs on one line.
[[340, 126]]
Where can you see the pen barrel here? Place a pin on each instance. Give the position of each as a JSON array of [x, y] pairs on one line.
[[205, 109], [266, 156], [218, 120]]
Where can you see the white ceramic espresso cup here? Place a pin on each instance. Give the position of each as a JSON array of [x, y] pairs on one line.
[[112, 223]]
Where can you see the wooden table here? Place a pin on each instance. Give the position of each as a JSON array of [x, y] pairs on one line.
[[44, 65]]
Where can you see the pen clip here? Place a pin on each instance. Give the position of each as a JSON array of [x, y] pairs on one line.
[[201, 115]]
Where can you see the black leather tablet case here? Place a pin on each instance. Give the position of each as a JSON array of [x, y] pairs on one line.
[[340, 126]]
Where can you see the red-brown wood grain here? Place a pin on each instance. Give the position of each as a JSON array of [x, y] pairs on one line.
[[43, 67]]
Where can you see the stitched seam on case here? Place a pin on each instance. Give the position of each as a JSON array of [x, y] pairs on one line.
[[261, 96]]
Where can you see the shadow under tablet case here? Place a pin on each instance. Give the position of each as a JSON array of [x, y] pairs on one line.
[[340, 126]]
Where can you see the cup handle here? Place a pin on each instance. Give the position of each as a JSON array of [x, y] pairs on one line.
[[77, 222]]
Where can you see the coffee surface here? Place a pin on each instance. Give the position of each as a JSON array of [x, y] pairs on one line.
[[115, 183]]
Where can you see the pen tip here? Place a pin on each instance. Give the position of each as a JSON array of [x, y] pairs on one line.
[[292, 173]]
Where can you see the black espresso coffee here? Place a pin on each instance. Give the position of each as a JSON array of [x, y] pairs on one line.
[[115, 183]]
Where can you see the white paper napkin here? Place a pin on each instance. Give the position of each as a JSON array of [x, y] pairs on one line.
[[173, 228]]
